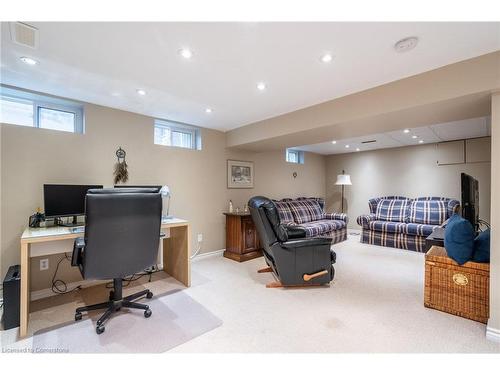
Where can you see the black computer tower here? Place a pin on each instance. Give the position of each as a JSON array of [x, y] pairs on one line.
[[11, 296]]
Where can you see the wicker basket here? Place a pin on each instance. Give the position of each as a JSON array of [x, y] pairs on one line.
[[459, 290]]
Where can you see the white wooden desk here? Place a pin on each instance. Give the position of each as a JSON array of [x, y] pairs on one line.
[[176, 255]]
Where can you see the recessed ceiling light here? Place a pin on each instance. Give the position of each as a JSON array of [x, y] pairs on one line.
[[186, 53], [28, 60], [358, 149], [141, 92], [334, 142], [406, 131], [421, 141], [208, 110], [326, 58], [347, 146], [406, 44], [261, 86], [414, 136]]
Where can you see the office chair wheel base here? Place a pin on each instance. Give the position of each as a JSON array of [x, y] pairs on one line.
[[78, 316], [99, 329], [147, 313], [149, 295]]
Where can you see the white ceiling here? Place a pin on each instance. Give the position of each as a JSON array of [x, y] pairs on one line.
[[449, 131], [104, 63]]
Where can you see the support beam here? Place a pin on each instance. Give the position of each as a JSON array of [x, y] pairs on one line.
[[453, 92], [493, 329]]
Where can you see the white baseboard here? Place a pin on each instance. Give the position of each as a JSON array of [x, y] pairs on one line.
[[209, 254], [493, 334]]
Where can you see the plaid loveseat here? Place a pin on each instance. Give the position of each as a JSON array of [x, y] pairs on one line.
[[402, 222], [309, 213]]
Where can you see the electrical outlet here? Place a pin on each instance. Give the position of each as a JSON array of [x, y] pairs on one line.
[[200, 237], [44, 264]]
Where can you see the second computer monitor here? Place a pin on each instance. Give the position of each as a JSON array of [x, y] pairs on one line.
[[157, 187]]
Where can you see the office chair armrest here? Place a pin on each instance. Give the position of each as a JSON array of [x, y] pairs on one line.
[[307, 242], [78, 247]]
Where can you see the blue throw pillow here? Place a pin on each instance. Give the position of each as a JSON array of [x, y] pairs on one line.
[[482, 247], [459, 239]]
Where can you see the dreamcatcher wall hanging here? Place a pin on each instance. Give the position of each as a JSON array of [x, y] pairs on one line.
[[121, 172]]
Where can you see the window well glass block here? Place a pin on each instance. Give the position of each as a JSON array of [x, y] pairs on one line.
[[16, 112], [56, 120], [181, 139]]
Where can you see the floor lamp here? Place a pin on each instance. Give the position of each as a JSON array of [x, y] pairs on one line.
[[343, 179]]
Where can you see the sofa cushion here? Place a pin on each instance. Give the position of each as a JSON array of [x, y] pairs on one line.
[[319, 227], [306, 210], [482, 247], [284, 212], [402, 228], [392, 210], [432, 212], [424, 230], [372, 203], [387, 226]]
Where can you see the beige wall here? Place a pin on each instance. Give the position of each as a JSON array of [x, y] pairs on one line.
[[31, 157], [408, 171], [275, 177], [494, 321]]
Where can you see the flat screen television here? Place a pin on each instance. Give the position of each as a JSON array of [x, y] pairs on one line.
[[470, 200]]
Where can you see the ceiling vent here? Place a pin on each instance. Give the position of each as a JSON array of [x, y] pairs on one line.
[[372, 141], [24, 34]]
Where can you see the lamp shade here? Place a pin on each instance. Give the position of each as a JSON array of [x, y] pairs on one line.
[[343, 179]]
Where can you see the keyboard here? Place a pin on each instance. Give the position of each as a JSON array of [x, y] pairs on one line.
[[77, 229]]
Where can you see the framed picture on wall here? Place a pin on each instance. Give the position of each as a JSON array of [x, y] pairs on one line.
[[239, 174]]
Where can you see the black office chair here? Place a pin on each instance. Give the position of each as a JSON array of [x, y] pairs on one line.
[[122, 234]]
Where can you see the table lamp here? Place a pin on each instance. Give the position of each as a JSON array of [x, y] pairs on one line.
[[165, 193], [343, 179]]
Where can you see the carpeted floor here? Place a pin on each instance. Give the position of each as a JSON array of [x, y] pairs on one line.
[[375, 304]]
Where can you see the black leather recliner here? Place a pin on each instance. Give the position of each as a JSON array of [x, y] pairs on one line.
[[294, 259]]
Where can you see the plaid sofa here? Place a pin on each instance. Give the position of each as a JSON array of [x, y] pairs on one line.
[[401, 222], [309, 213]]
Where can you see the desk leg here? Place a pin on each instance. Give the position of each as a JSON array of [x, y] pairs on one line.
[[25, 289], [176, 254]]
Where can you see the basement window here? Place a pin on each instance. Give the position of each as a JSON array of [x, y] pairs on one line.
[[174, 134], [294, 156], [19, 107]]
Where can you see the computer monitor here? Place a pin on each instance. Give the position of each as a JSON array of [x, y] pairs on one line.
[[158, 187], [65, 200]]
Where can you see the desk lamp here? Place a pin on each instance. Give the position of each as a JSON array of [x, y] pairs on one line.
[[165, 193]]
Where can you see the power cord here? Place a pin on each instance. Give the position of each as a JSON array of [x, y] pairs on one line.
[[134, 277], [59, 286], [197, 251], [485, 223]]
